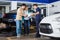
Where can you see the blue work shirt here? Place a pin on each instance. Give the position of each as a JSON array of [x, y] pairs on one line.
[[38, 16]]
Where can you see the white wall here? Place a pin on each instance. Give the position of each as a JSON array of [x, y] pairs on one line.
[[7, 9], [54, 9]]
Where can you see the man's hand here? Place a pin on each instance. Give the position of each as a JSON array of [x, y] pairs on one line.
[[33, 14], [37, 13], [25, 15]]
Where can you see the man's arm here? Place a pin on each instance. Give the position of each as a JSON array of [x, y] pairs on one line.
[[37, 11], [34, 14], [19, 12]]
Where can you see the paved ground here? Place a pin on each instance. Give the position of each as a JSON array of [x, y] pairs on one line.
[[29, 37], [8, 36]]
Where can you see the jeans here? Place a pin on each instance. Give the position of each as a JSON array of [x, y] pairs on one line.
[[26, 26], [18, 27], [37, 27]]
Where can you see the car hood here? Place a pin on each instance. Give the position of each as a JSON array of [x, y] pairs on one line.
[[50, 19]]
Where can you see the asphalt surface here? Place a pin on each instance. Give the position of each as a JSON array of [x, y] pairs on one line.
[[31, 36], [9, 36]]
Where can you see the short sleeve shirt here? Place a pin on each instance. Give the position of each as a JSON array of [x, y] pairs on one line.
[[38, 16]]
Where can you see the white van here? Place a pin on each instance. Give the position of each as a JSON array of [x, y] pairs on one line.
[[50, 26]]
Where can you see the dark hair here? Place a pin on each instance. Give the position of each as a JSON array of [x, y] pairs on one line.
[[35, 5], [23, 5]]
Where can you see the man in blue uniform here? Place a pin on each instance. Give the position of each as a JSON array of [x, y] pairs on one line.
[[37, 13]]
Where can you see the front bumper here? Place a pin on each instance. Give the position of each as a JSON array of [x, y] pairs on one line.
[[52, 32], [51, 35], [9, 21]]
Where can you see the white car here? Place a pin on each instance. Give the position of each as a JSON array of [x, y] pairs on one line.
[[50, 26]]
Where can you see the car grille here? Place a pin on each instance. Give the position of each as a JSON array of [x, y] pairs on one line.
[[44, 28]]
